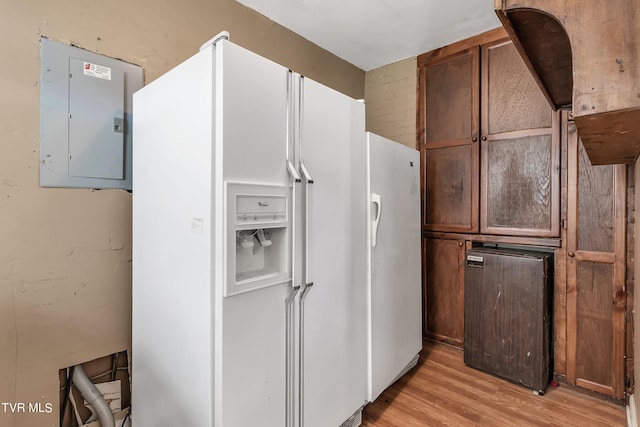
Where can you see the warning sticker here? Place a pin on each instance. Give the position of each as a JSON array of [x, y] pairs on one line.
[[95, 70]]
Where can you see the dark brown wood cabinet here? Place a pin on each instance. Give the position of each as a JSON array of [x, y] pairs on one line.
[[584, 55], [520, 149], [449, 147], [444, 290], [490, 163], [490, 143], [596, 261], [499, 166]]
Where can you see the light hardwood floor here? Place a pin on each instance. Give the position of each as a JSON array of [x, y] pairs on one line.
[[442, 391]]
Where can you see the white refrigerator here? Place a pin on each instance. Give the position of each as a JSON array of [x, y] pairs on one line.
[[249, 223], [394, 307]]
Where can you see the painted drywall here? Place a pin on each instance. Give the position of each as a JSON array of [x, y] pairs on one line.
[[390, 99], [65, 254]]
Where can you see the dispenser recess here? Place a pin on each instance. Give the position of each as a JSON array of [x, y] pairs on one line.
[[257, 237]]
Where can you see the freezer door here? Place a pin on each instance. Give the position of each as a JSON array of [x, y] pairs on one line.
[[172, 293], [250, 156], [334, 307], [395, 294]]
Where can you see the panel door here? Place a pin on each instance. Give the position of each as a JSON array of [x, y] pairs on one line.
[[96, 128], [520, 149], [250, 149], [333, 310], [448, 105], [396, 334], [596, 296], [444, 289], [507, 315]]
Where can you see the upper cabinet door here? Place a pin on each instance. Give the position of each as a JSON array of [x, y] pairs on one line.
[[448, 132], [520, 149]]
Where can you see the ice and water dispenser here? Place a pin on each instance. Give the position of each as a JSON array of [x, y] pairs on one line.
[[258, 236]]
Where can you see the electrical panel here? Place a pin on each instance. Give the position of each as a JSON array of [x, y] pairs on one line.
[[85, 117]]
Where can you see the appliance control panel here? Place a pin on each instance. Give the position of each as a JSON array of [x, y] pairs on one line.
[[260, 208]]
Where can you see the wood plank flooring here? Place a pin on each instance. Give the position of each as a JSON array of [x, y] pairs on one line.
[[442, 391]]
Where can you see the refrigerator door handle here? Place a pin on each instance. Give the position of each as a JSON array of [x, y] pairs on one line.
[[295, 177], [293, 172], [306, 174], [307, 213], [377, 200]]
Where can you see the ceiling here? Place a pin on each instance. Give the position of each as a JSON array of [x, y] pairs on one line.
[[372, 33]]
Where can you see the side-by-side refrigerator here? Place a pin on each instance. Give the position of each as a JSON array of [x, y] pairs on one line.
[[394, 298], [249, 229]]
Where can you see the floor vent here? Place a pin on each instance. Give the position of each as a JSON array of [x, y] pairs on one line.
[[354, 421]]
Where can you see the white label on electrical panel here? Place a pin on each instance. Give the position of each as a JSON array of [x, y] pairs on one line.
[[197, 225], [475, 258], [95, 70]]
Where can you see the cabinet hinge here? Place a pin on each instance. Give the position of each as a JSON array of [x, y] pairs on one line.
[[563, 224], [627, 382]]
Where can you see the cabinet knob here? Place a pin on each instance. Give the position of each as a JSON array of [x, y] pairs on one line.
[[571, 254], [484, 138], [460, 243], [474, 139]]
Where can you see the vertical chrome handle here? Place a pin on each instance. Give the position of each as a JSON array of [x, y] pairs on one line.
[[292, 373], [295, 178], [300, 116], [308, 180], [376, 199], [305, 173], [290, 133]]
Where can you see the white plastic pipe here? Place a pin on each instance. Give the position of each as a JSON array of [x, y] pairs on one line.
[[93, 396]]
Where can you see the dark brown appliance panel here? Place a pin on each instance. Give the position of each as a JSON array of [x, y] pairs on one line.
[[507, 314]]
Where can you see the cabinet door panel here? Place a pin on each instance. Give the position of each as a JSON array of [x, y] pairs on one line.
[[450, 199], [514, 99], [594, 325], [444, 288], [520, 149], [595, 205], [451, 98], [596, 261], [518, 184], [448, 104]]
